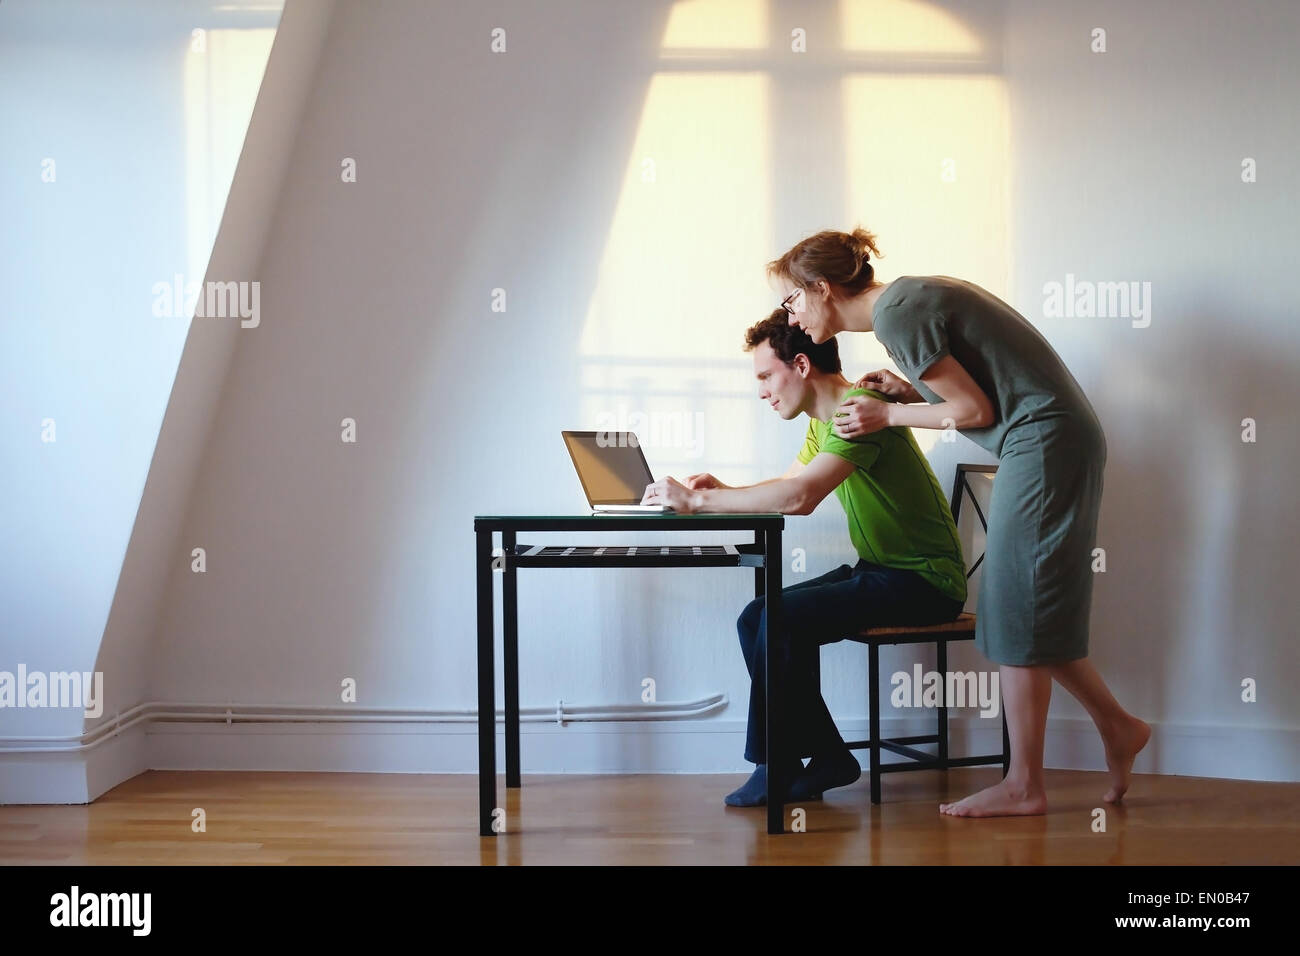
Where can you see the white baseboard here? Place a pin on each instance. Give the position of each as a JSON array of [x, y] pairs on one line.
[[43, 778], [685, 746], [73, 776], [117, 759]]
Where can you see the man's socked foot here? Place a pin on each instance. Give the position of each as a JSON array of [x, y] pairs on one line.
[[753, 792], [826, 773]]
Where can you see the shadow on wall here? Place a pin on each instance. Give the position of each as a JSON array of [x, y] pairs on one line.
[[627, 285]]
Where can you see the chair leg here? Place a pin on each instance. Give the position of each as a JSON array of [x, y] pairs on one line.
[[873, 695]]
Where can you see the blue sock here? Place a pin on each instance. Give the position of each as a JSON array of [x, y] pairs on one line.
[[826, 773], [753, 792]]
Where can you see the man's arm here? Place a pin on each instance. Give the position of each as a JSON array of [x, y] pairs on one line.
[[796, 468], [798, 492], [706, 480]]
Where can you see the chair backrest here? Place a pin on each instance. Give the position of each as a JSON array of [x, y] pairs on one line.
[[973, 483]]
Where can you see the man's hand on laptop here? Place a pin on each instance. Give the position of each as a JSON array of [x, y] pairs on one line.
[[704, 480], [671, 492]]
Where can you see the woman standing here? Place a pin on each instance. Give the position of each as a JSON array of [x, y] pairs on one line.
[[985, 371]]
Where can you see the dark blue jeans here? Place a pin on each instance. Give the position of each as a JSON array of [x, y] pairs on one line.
[[824, 610]]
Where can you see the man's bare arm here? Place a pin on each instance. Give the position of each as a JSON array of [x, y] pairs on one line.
[[706, 480], [796, 468], [796, 495]]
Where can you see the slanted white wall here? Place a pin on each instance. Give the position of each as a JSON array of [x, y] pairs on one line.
[[145, 123]]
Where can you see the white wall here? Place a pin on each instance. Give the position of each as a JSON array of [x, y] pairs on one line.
[[526, 171], [523, 171], [116, 98], [1128, 167]]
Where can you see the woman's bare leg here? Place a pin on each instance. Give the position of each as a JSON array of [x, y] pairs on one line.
[[1026, 693], [1123, 734]]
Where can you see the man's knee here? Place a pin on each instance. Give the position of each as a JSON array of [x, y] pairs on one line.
[[747, 625]]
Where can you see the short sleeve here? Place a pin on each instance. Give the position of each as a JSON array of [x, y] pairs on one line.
[[861, 453], [809, 450], [914, 340]]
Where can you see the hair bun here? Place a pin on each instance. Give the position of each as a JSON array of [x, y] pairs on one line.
[[864, 242]]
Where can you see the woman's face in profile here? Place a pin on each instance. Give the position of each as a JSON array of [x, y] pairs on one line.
[[810, 309]]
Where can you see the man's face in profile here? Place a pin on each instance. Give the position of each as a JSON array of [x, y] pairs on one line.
[[780, 385]]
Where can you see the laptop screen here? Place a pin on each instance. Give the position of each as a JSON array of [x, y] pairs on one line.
[[610, 465]]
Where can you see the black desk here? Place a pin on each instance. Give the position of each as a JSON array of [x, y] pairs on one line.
[[763, 555]]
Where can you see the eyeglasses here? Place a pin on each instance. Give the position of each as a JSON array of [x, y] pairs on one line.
[[788, 304]]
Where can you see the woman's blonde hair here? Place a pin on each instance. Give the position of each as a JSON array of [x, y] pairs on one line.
[[841, 258]]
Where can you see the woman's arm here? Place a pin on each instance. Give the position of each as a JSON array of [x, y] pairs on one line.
[[964, 405]]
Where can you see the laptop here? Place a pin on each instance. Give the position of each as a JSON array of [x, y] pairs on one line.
[[613, 472]]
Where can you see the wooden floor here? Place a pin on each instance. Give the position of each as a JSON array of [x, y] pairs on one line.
[[330, 818]]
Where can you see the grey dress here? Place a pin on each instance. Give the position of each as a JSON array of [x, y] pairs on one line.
[[1036, 591]]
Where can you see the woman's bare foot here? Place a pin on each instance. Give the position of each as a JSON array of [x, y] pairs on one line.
[[1003, 799], [1122, 746]]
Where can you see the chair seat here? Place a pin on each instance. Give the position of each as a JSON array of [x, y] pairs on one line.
[[964, 623]]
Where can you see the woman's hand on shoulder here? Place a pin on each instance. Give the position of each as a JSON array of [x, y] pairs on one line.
[[859, 416], [887, 383]]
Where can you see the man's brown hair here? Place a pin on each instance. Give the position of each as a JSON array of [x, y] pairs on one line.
[[788, 340]]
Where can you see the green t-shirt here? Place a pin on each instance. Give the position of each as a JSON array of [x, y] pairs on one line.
[[898, 516]]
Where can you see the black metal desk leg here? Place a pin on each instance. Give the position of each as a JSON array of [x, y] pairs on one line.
[[943, 704], [873, 707], [777, 751], [487, 706], [758, 572], [510, 655]]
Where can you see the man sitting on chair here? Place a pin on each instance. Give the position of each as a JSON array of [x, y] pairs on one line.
[[909, 571]]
